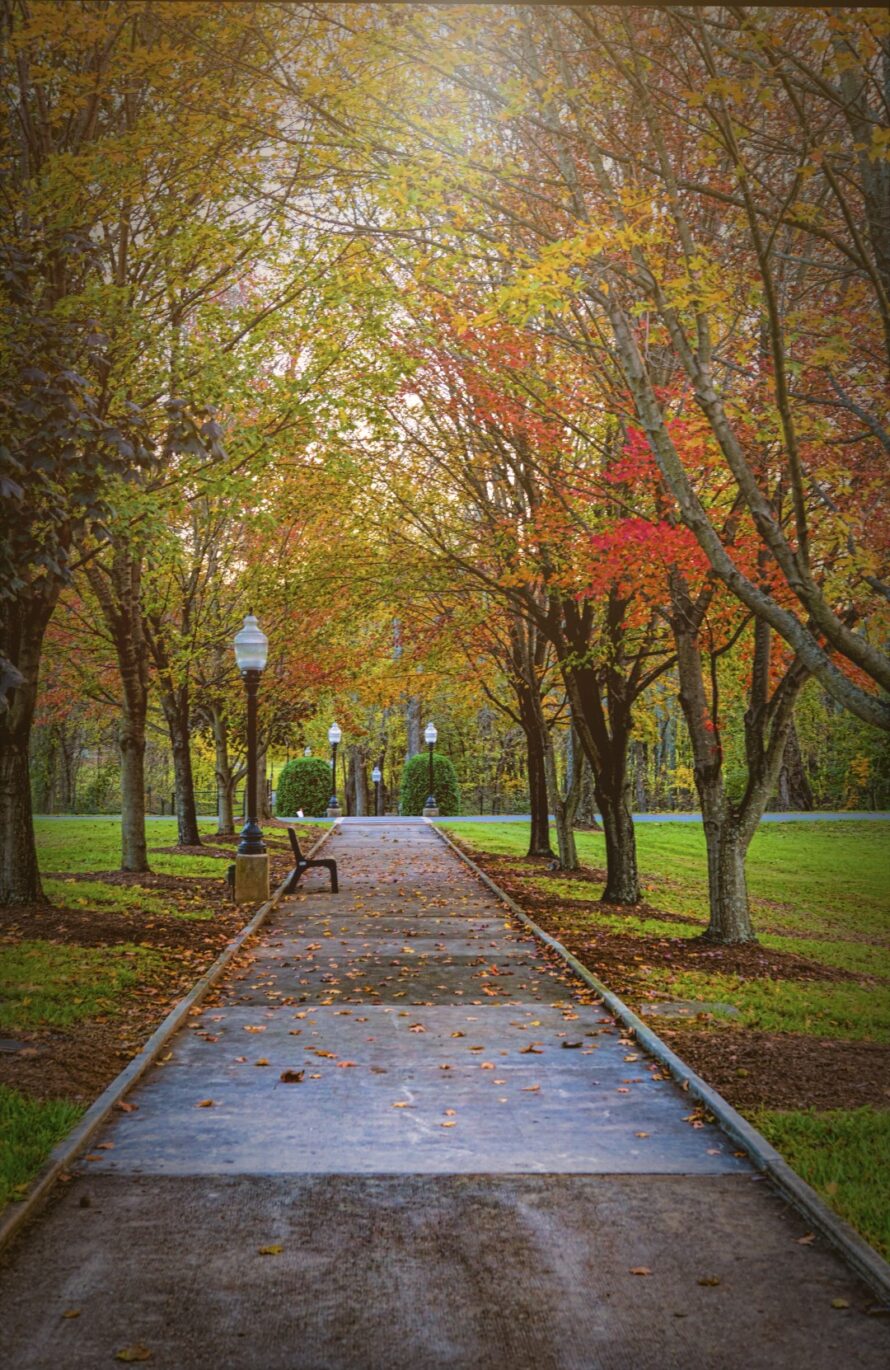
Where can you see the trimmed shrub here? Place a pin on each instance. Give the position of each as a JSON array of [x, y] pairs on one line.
[[415, 785], [304, 783]]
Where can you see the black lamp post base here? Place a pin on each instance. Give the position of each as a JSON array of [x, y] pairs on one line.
[[430, 808], [251, 843]]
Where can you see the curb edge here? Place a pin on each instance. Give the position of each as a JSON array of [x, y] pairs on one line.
[[66, 1151], [867, 1263]]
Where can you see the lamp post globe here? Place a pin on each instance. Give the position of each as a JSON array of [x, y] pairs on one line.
[[431, 808], [334, 736], [376, 776], [251, 654]]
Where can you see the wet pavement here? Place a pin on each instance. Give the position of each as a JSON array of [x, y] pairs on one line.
[[450, 1153]]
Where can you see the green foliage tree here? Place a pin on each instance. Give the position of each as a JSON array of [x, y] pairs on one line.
[[304, 783], [415, 785]]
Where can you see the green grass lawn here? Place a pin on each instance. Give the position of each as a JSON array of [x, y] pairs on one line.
[[29, 1129], [825, 880], [94, 844], [45, 984], [840, 1154]]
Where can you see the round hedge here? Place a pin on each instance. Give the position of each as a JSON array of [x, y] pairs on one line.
[[416, 785], [304, 783]]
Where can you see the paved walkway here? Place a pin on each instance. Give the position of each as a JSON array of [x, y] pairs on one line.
[[402, 1137]]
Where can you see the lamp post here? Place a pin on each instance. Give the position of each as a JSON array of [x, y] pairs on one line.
[[334, 735], [431, 808], [251, 858], [376, 777]]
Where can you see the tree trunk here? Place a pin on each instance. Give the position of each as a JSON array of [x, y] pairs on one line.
[[601, 712], [536, 742], [119, 593], [225, 775], [563, 813], [794, 793], [613, 800], [729, 828], [263, 812], [358, 781], [22, 629], [413, 728], [640, 751], [175, 703]]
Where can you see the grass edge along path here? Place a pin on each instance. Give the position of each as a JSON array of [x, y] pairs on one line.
[[842, 1153], [54, 986]]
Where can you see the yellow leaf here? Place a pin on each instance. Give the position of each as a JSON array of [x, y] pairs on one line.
[[270, 1250]]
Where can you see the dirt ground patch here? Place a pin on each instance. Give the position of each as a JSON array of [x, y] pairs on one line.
[[785, 1070]]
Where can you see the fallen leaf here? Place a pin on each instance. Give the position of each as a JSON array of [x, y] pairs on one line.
[[248, 1027], [530, 1050], [345, 1065], [133, 1353], [204, 1103], [450, 1112], [292, 1077], [417, 1027], [270, 1250], [807, 1240], [486, 1065], [401, 1104], [450, 1123], [709, 1280], [126, 1107], [639, 1270], [71, 1313], [641, 1134], [458, 1034], [530, 1089], [571, 1045], [840, 1303], [262, 1061]]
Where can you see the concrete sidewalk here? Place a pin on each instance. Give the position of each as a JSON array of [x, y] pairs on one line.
[[468, 1167]]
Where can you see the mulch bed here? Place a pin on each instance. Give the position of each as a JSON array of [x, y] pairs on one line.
[[750, 1069], [79, 1061], [783, 1069]]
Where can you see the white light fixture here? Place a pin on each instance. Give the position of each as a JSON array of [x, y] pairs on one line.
[[334, 734], [251, 646], [430, 735], [375, 775]]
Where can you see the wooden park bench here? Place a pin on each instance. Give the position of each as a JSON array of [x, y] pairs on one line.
[[303, 863]]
